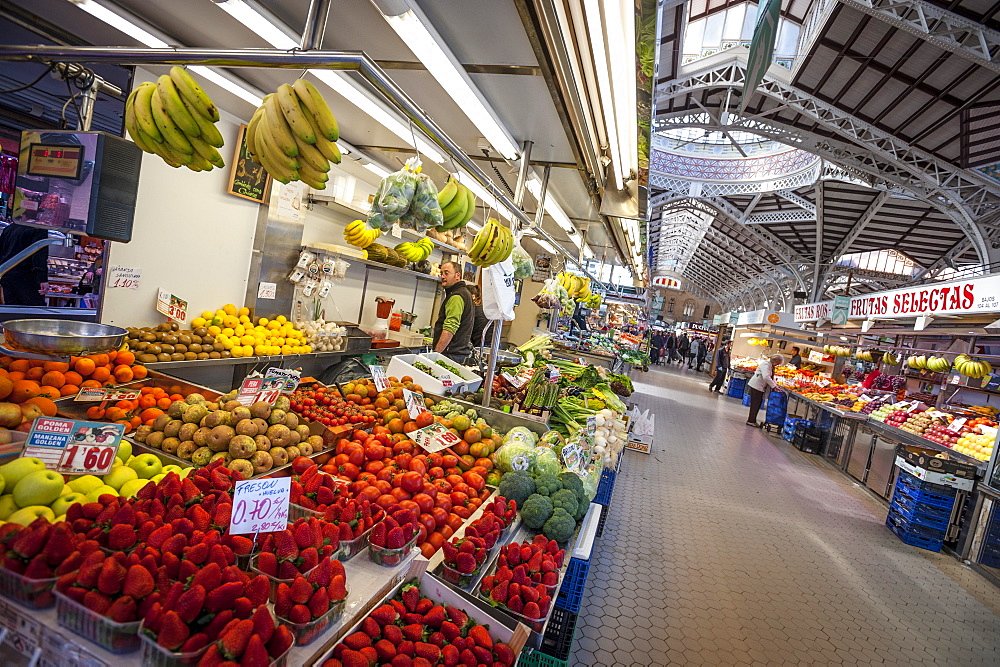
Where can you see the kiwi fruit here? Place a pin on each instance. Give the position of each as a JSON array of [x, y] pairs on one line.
[[176, 356], [214, 355], [184, 339], [203, 355], [190, 356], [195, 347], [163, 356], [148, 358], [166, 347]]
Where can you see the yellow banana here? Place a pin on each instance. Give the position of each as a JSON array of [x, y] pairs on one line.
[[278, 129], [288, 102], [309, 154], [471, 209], [210, 154], [168, 129], [199, 163], [315, 185], [271, 148], [171, 100], [306, 171], [251, 133], [209, 132], [323, 119], [192, 92], [142, 106], [329, 149], [279, 170]]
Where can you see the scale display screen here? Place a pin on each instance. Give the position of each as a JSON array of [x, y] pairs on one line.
[[55, 160]]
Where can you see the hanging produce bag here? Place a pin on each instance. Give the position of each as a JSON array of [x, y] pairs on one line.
[[498, 291]]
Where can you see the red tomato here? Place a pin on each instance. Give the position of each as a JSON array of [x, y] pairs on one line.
[[474, 480], [424, 501], [412, 482], [360, 435], [462, 487], [374, 466], [371, 493], [386, 474], [442, 485], [357, 487], [340, 459], [459, 499], [440, 515], [373, 452], [356, 453], [463, 512], [454, 480], [367, 476], [403, 461], [421, 533], [427, 549], [454, 521], [383, 486], [437, 472], [434, 459], [479, 470], [410, 505], [443, 501], [349, 470], [399, 494], [339, 449], [436, 539], [329, 468], [449, 461], [386, 500], [418, 465], [447, 532], [427, 521]]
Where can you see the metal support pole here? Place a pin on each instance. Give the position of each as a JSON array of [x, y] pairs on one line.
[[540, 213], [315, 28], [522, 173], [88, 97]]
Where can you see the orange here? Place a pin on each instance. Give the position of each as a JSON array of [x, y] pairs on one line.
[[115, 414], [123, 374], [46, 405], [150, 414], [54, 379], [95, 412], [85, 366], [34, 373], [146, 401], [101, 373], [23, 390], [90, 383], [100, 359], [163, 403], [125, 405], [112, 356], [15, 376], [395, 425], [69, 389], [72, 377], [20, 365], [135, 422], [139, 372], [125, 358], [36, 363], [50, 392], [6, 387], [3, 372], [126, 423], [6, 361], [176, 397], [50, 366]]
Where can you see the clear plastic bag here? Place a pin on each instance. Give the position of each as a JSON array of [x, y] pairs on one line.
[[425, 209], [548, 297], [524, 267]]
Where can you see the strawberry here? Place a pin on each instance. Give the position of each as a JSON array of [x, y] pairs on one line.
[[457, 616], [122, 610], [263, 624], [357, 641], [60, 544], [240, 545], [223, 513], [201, 519], [223, 597], [71, 563], [186, 570], [111, 577], [233, 573], [304, 535], [398, 606], [195, 643], [370, 627], [337, 590], [481, 636], [513, 589], [174, 544], [242, 608], [543, 604], [287, 570], [285, 547], [38, 569], [499, 592], [283, 600], [428, 652], [346, 532], [351, 658], [515, 604], [76, 593], [258, 590], [434, 617], [190, 603], [321, 574], [319, 603], [280, 641], [532, 611], [465, 563], [301, 590], [138, 582], [503, 654], [197, 554], [550, 578], [299, 614], [450, 656], [393, 633], [267, 563], [310, 559], [96, 602], [436, 638], [255, 652], [385, 649], [384, 615], [159, 536], [413, 632], [483, 655], [173, 594], [233, 643], [29, 543], [210, 576], [467, 657], [173, 631], [221, 620], [529, 594], [411, 595], [378, 535]]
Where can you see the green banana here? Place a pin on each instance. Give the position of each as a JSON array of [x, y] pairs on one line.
[[306, 171], [192, 92], [209, 153], [199, 163], [288, 102], [452, 208], [323, 119], [168, 129], [144, 111], [171, 100], [471, 209], [278, 128], [251, 133], [447, 193], [265, 141]]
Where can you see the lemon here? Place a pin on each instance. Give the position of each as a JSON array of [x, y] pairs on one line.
[[237, 351], [247, 351], [246, 340], [217, 321], [229, 309], [281, 319], [228, 332], [198, 322], [262, 322], [244, 312], [207, 315], [286, 349], [215, 331]]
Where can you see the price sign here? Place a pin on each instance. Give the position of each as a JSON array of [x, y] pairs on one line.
[[936, 414], [267, 290], [260, 505], [434, 438], [171, 305], [956, 426], [397, 230], [572, 455], [446, 381], [865, 397], [121, 394], [823, 383], [381, 380], [518, 381], [554, 374], [291, 378], [955, 379], [254, 390], [91, 394], [124, 277], [415, 403], [74, 447]]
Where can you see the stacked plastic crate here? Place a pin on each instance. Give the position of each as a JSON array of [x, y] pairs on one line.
[[920, 511]]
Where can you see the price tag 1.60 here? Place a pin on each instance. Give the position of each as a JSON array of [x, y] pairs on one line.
[[260, 505], [74, 447], [434, 438]]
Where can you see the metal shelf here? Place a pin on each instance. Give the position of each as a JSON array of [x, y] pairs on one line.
[[375, 265]]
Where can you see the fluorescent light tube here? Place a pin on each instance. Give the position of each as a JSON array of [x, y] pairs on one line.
[[419, 35], [258, 23], [551, 206], [377, 169], [545, 245], [595, 24], [220, 80]]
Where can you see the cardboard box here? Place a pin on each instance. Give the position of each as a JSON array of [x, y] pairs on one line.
[[926, 465]]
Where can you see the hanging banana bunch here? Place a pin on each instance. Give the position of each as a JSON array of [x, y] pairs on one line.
[[175, 119], [457, 205], [493, 244]]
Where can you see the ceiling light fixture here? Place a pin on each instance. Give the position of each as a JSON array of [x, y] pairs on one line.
[[551, 206], [281, 37], [595, 25], [377, 169], [419, 35], [545, 245]]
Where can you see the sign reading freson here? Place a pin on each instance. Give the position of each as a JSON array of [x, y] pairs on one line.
[[981, 295]]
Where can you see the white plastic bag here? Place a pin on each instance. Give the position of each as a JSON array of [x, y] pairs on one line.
[[498, 291]]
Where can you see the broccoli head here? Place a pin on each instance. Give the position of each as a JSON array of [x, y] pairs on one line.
[[547, 484], [560, 526], [517, 486], [566, 499], [584, 505], [536, 511], [571, 480]]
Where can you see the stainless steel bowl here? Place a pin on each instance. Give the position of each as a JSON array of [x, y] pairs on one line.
[[62, 337]]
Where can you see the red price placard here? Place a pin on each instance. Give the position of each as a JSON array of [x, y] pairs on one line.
[[74, 447], [171, 305], [379, 376], [260, 505], [434, 438], [254, 390]]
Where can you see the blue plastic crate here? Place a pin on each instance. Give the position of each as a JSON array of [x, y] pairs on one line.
[[990, 556], [925, 491], [605, 487], [736, 387], [914, 540], [746, 400], [905, 507], [913, 528], [912, 501], [573, 584]]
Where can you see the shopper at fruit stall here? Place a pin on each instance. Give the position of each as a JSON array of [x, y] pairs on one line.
[[721, 368], [481, 321], [453, 329], [761, 380], [796, 359], [26, 283]]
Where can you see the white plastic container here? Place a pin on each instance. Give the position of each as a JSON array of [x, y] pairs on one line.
[[402, 364], [470, 380]]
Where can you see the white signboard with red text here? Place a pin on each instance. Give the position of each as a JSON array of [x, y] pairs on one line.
[[963, 297]]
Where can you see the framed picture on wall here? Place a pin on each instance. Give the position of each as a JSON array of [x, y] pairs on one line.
[[247, 179]]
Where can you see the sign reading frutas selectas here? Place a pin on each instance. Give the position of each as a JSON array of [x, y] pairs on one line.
[[260, 505], [254, 390], [434, 438], [74, 447], [171, 305]]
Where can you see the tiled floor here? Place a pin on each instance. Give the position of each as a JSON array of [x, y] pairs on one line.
[[727, 546]]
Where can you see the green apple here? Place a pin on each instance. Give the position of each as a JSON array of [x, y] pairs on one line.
[[62, 503], [3, 483], [7, 506], [119, 462], [85, 483], [170, 468], [38, 488], [18, 469], [187, 471], [157, 478], [118, 476], [95, 495], [129, 489], [28, 514], [147, 465], [66, 490], [61, 517], [125, 450]]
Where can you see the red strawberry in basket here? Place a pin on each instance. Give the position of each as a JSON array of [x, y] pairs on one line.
[[378, 535]]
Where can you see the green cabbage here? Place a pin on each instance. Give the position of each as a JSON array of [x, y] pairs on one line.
[[521, 434], [546, 462], [514, 455]]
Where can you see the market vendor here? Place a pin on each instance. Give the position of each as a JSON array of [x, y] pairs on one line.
[[796, 359], [453, 329]]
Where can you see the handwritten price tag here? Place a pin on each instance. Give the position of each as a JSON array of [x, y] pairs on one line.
[[171, 305], [379, 376], [254, 390], [124, 277], [956, 426], [91, 394], [434, 438], [446, 381], [260, 505], [415, 403], [74, 447]]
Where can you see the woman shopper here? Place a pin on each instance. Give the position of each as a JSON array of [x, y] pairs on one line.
[[694, 350], [761, 380]]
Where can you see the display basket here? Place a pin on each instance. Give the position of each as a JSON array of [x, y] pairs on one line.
[[154, 655], [470, 380], [403, 364], [351, 548], [574, 582], [33, 593], [390, 557], [532, 657], [109, 635], [558, 638], [460, 579], [305, 633], [274, 580]]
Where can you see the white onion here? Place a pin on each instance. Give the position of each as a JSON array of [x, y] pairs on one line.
[[598, 449], [600, 440], [607, 413], [612, 438], [599, 419]]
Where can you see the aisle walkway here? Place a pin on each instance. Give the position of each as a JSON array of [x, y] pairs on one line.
[[727, 546]]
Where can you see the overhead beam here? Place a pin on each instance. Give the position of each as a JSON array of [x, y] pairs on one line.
[[863, 222], [799, 201], [818, 259], [749, 209], [772, 217]]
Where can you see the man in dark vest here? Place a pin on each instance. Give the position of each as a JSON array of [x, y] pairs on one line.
[[453, 329]]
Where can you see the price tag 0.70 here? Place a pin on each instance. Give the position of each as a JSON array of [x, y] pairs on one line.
[[260, 505]]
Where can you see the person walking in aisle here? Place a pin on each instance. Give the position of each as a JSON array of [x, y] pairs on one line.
[[702, 353], [671, 345], [761, 380], [693, 351], [683, 345], [721, 368], [656, 347]]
